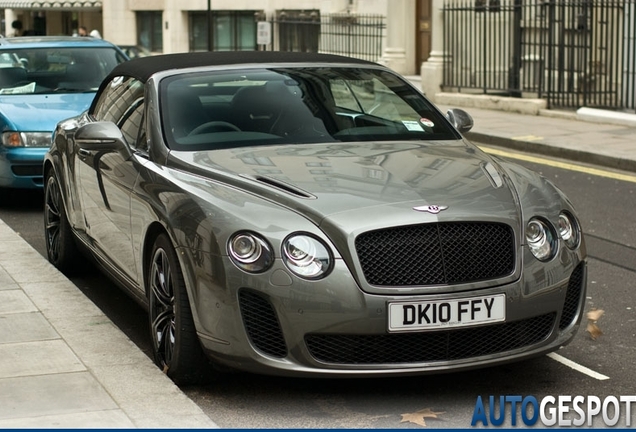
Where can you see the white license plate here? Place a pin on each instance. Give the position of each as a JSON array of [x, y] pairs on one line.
[[435, 314]]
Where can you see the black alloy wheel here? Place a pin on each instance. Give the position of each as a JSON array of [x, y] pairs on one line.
[[61, 249], [176, 347]]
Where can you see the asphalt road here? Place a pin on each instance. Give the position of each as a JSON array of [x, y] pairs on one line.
[[606, 208]]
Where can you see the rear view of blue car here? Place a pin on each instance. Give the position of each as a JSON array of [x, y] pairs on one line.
[[44, 80]]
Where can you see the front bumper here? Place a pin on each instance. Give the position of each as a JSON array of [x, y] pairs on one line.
[[21, 167], [287, 327]]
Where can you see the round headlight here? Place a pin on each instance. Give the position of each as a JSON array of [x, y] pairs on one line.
[[250, 252], [245, 248], [541, 240], [569, 230], [306, 256]]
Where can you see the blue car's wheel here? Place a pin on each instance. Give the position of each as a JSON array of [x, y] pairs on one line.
[[176, 347], [60, 244]]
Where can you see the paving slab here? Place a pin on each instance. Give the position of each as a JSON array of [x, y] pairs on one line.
[[55, 394], [25, 327]]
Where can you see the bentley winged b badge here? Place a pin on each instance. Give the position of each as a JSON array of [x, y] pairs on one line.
[[434, 209]]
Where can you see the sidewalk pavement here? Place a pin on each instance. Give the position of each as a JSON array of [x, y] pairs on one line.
[[590, 136], [557, 134], [64, 364]]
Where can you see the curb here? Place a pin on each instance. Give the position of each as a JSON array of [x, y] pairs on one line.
[[553, 151]]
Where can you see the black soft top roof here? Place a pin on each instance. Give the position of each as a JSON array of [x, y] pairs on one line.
[[143, 68]]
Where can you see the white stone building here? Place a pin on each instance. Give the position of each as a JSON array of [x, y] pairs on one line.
[[169, 26]]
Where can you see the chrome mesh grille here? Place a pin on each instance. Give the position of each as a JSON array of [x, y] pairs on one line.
[[436, 254], [430, 346]]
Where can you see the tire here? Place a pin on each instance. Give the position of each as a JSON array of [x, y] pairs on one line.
[[61, 248], [176, 347]]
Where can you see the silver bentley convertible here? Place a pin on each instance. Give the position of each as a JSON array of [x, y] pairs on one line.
[[309, 215]]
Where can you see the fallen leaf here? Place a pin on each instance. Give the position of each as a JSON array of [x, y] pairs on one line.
[[593, 330], [592, 317], [419, 416], [595, 314]]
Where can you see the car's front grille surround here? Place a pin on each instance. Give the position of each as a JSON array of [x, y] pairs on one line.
[[436, 253], [434, 346], [261, 324], [572, 297]]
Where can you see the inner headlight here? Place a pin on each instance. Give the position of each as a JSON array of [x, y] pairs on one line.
[[306, 256], [569, 230], [541, 240], [250, 252], [26, 139]]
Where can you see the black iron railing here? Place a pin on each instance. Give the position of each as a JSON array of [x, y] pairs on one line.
[[354, 35], [572, 53]]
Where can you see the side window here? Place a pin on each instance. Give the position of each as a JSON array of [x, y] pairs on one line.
[[122, 102], [131, 125], [117, 98]]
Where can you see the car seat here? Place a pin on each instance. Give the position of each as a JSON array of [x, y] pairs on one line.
[[276, 108], [12, 77], [83, 74], [185, 110]]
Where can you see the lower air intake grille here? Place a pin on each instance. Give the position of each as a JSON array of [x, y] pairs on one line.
[[262, 324], [430, 346], [572, 297], [436, 253], [27, 170]]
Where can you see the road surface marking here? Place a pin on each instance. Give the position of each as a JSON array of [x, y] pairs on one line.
[[563, 165], [577, 367]]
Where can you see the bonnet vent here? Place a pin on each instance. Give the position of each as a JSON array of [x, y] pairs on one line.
[[281, 185]]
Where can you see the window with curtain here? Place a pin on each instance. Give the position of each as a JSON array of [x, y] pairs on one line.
[[150, 30], [298, 30], [231, 30]]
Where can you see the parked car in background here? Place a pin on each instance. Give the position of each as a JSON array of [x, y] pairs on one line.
[[134, 51], [44, 80], [309, 215]]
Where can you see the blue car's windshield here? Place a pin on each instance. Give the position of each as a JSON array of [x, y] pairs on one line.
[[55, 70], [295, 105]]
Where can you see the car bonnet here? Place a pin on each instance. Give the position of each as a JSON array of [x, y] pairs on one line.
[[351, 180], [41, 112]]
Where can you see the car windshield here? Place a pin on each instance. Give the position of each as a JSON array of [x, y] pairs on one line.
[[56, 70], [295, 105]]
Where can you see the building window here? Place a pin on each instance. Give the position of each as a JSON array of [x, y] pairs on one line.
[[149, 30], [231, 31], [298, 30]]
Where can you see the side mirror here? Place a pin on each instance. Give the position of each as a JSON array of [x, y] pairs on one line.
[[103, 137], [459, 118]]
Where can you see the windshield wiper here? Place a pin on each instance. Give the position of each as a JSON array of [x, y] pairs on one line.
[[72, 90]]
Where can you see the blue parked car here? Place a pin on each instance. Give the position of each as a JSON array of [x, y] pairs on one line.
[[44, 80]]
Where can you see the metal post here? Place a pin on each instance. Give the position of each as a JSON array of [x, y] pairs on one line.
[[209, 25], [514, 83]]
